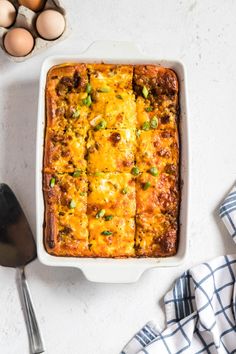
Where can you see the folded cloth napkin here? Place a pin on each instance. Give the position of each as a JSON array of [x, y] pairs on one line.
[[200, 309]]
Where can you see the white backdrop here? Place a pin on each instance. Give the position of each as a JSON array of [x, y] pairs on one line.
[[76, 316]]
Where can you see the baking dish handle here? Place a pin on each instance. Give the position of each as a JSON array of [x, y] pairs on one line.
[[111, 274], [118, 50]]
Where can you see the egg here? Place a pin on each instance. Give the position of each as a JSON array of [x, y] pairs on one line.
[[50, 24], [7, 13], [34, 5], [18, 42]]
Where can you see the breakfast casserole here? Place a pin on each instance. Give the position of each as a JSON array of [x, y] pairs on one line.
[[111, 161]]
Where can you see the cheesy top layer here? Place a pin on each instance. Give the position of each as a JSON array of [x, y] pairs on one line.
[[111, 161]]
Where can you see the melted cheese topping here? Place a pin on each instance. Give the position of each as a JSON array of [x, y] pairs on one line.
[[67, 190], [72, 114], [112, 238], [155, 234], [160, 197], [66, 151], [153, 149], [147, 112], [113, 77], [111, 150], [72, 237], [117, 109], [112, 192], [102, 121]]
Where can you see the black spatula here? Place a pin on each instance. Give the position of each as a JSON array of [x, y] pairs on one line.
[[17, 248]]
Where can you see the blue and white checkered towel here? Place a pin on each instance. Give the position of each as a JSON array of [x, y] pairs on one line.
[[228, 212], [200, 309]]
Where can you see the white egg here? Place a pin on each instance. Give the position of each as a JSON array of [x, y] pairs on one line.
[[50, 24], [7, 13]]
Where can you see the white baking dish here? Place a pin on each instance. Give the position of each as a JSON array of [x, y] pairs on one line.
[[100, 269]]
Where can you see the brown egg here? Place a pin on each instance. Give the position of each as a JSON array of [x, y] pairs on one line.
[[50, 24], [18, 42], [34, 5], [7, 13]]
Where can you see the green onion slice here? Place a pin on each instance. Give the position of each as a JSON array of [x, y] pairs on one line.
[[145, 92], [108, 217], [135, 171], [146, 186], [87, 101], [100, 213], [72, 204], [154, 122], [104, 89], [101, 125], [146, 126], [52, 182], [149, 109], [124, 190], [76, 113], [77, 173], [88, 88], [106, 233], [153, 171]]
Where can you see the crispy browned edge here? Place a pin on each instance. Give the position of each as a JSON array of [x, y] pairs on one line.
[[49, 225], [49, 217]]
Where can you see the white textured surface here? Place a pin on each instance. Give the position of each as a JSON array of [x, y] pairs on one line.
[[76, 316]]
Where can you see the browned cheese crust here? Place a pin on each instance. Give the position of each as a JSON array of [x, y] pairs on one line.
[[111, 161]]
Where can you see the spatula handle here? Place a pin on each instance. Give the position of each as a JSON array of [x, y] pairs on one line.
[[35, 340]]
